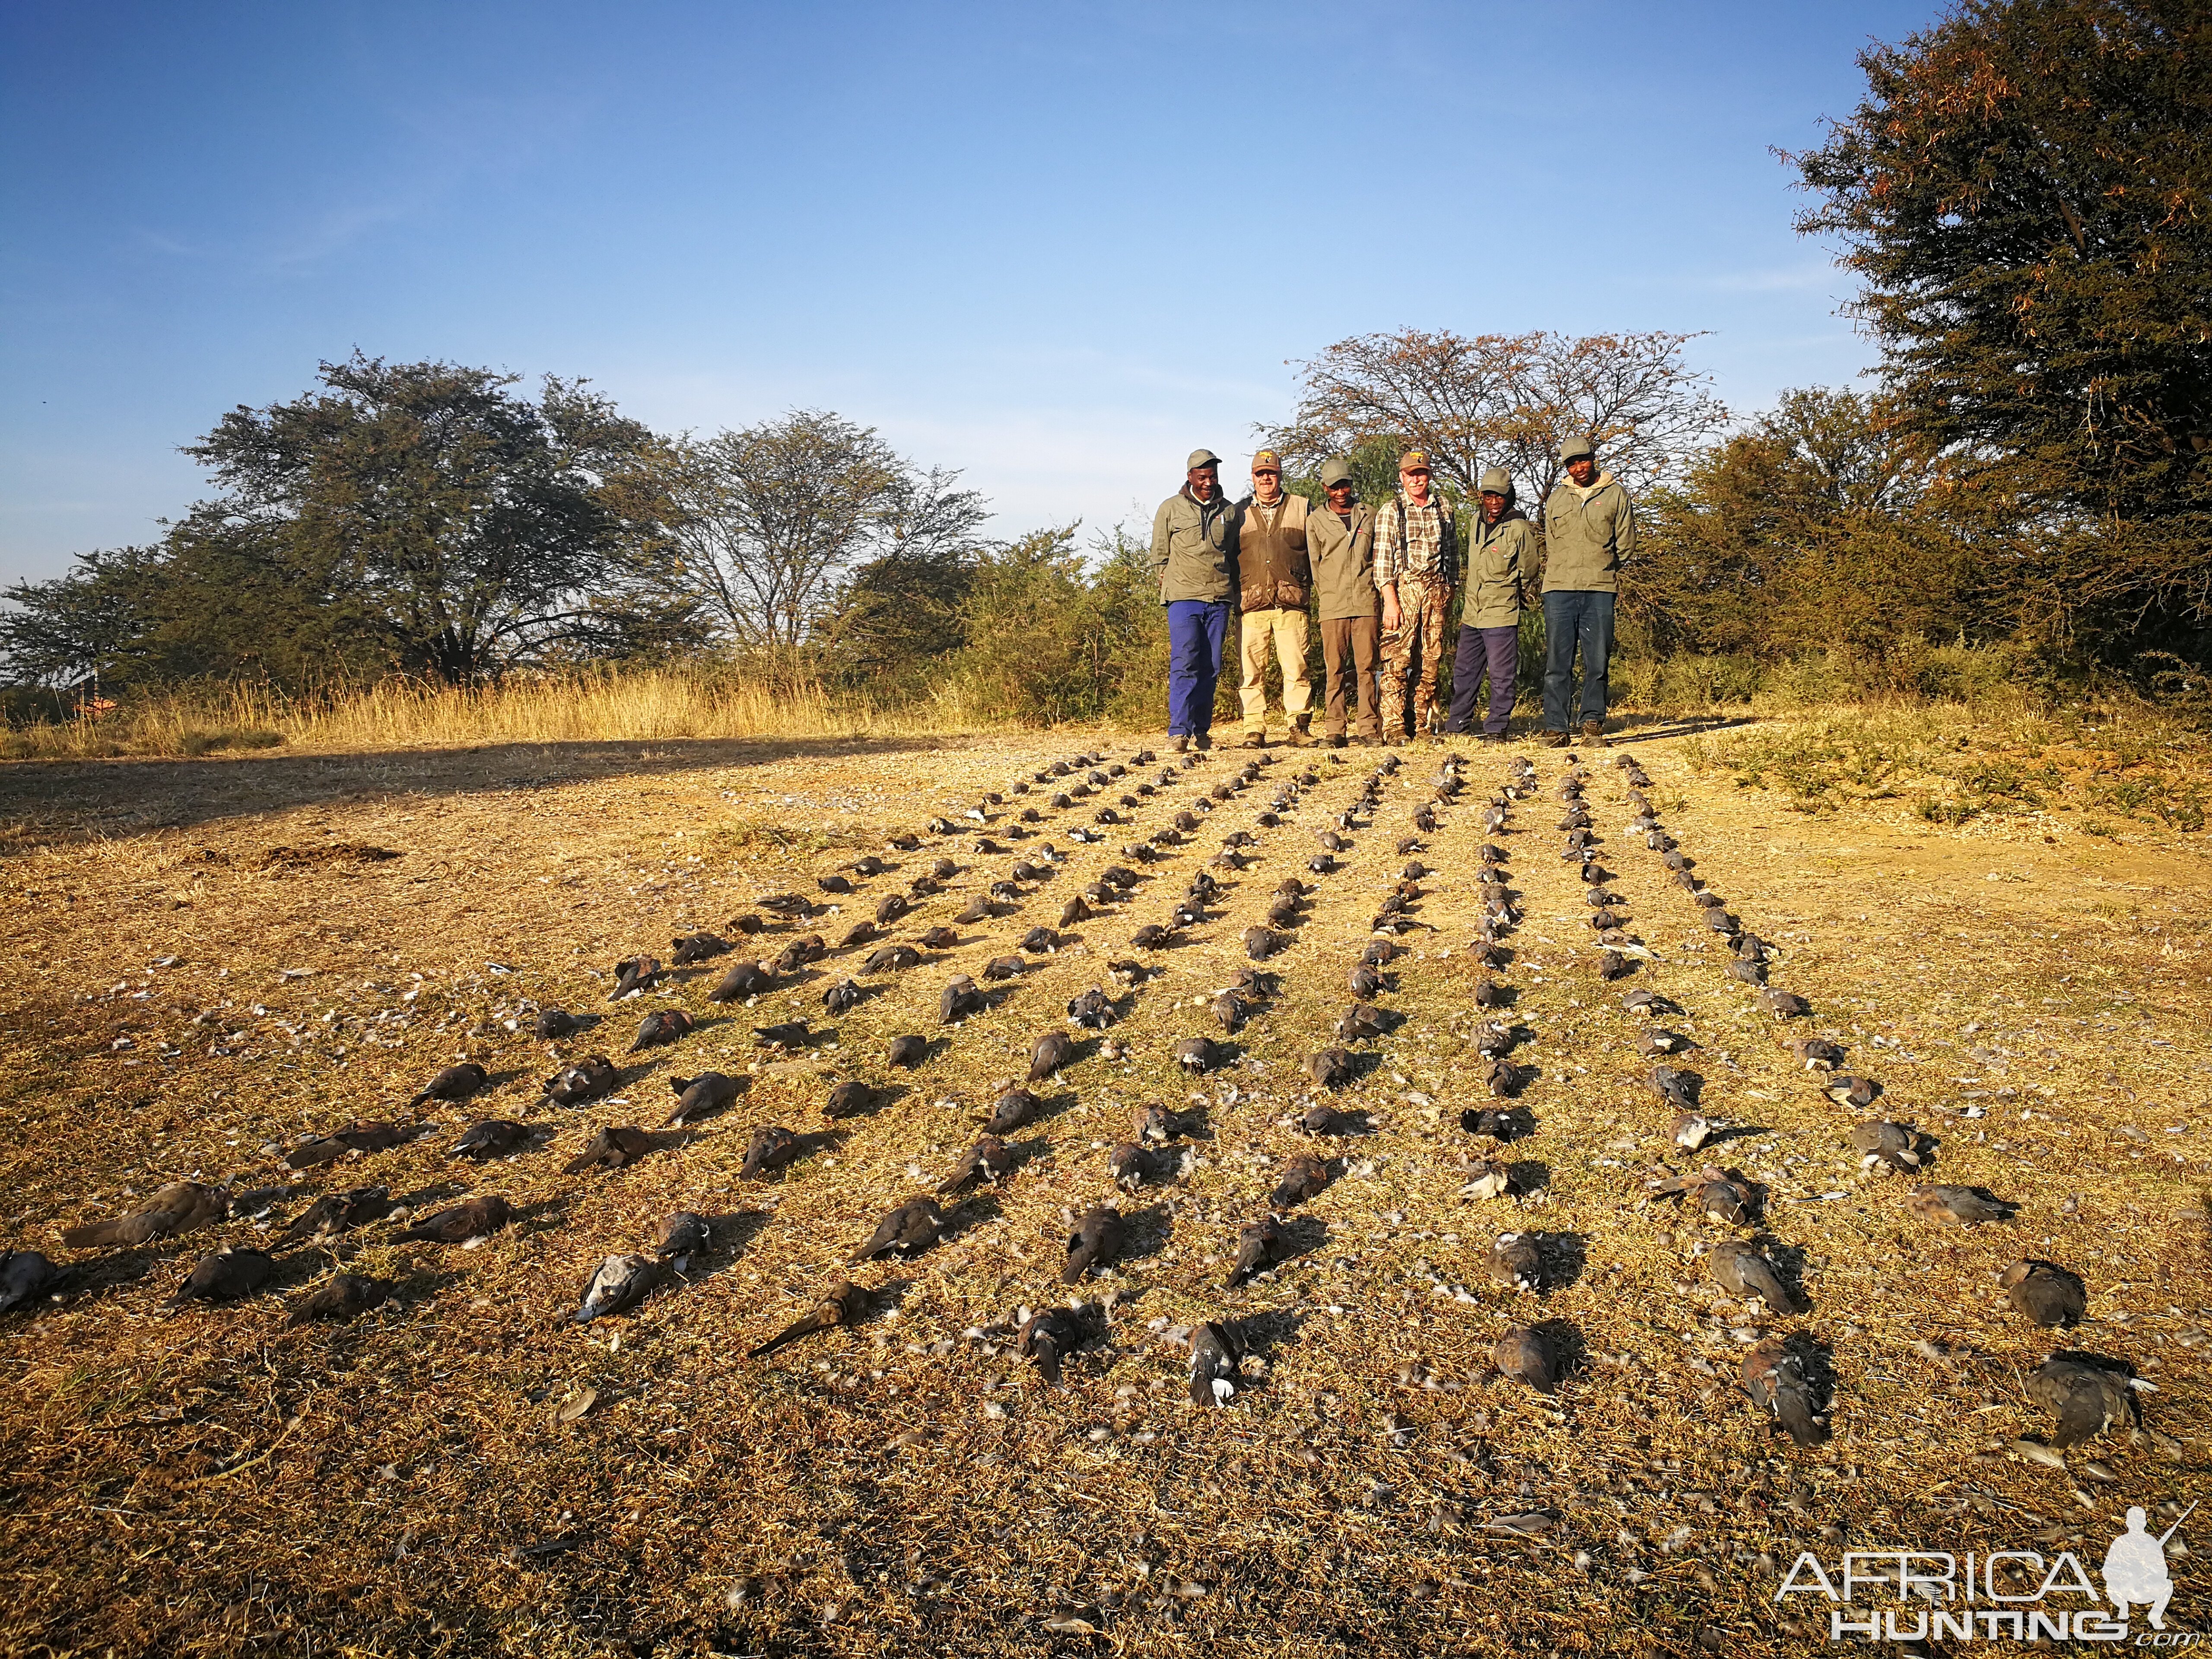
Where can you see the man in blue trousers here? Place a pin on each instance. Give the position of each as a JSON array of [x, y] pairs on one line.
[[1589, 528], [1195, 557]]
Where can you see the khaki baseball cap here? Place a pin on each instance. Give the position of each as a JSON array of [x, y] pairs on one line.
[[1267, 461], [1335, 472], [1413, 460], [1496, 480], [1574, 449], [1200, 458]]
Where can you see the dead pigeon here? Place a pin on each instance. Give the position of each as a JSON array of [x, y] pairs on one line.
[[1893, 1145], [697, 947], [1129, 1165], [1492, 1038], [1260, 1245], [1691, 1130], [1260, 942], [1502, 1123], [25, 1276], [180, 1206], [1048, 1338], [553, 1023], [785, 904], [1526, 1357], [771, 1147], [611, 1148], [892, 959], [959, 1000], [493, 1138], [455, 1083], [1214, 1358], [1776, 1382], [588, 1080], [1712, 1193], [792, 1034], [990, 1159], [747, 924], [2048, 1295], [1093, 1010], [832, 884], [1048, 1054], [744, 979], [1676, 1087], [2086, 1396], [890, 908], [1957, 1206], [695, 1097], [680, 1236], [1304, 1178], [851, 1098], [1486, 1178], [1128, 972], [911, 1227], [1230, 1011], [1656, 1040], [1785, 1004], [1362, 1022], [1007, 967], [1095, 1241], [1747, 972], [224, 1275], [1846, 1090], [338, 1212], [907, 1051], [1152, 937], [1197, 1055], [1741, 1270], [979, 908], [634, 973], [341, 1297], [621, 1283], [471, 1219], [1514, 1262], [1501, 1076], [1643, 1003], [842, 997], [669, 1025], [1010, 1111], [1816, 1054], [1156, 1122]]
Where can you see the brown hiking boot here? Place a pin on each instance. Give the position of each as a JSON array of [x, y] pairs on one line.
[[1336, 739], [1202, 741], [1556, 739], [1298, 737], [1256, 740], [1593, 730], [1181, 743]]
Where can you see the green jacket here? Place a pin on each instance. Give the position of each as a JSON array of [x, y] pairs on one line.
[[1195, 548], [1587, 534], [1343, 562], [1501, 559]]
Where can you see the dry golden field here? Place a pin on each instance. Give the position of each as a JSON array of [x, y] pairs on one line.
[[208, 960]]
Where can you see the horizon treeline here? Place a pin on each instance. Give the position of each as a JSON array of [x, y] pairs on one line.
[[2023, 195]]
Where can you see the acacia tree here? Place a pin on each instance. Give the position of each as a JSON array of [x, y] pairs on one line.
[[2024, 193], [1505, 400]]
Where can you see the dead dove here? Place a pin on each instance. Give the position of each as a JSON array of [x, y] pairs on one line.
[[1156, 1122], [1611, 964], [1093, 1010], [1741, 1270], [1214, 1358], [1076, 909], [680, 1236], [341, 1297], [1152, 937], [792, 1034], [2048, 1295], [1690, 1130], [851, 1098], [588, 1080], [621, 1283], [2087, 1397], [1095, 1241], [1304, 1178], [634, 973], [1657, 1040], [1644, 1003], [471, 1219], [695, 1097], [1486, 1179], [338, 1212], [1526, 1356], [667, 1026], [892, 959], [453, 1084], [224, 1275], [1048, 1054], [1892, 1145], [1501, 1076], [940, 938], [1785, 1004], [493, 1138], [1129, 1165], [1362, 1022], [1776, 1381], [697, 947], [771, 1147], [1260, 942], [832, 884], [611, 1148], [842, 997], [1197, 1054], [890, 908], [180, 1206], [1048, 1338], [1712, 1193], [1010, 1111], [743, 979], [1499, 1123], [990, 1159], [1366, 980], [1260, 1245], [25, 1276], [1957, 1206], [911, 1227], [959, 1000], [1008, 967], [907, 1051], [1230, 1011], [553, 1023], [1514, 1262], [1676, 1087], [1492, 1037], [1848, 1091], [1816, 1054]]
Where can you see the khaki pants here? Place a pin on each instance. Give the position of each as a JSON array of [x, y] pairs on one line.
[[1414, 651], [1348, 648], [1286, 629]]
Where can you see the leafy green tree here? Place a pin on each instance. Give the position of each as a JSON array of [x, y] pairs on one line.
[[2024, 193]]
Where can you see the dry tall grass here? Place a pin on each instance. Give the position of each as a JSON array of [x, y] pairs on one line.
[[636, 706]]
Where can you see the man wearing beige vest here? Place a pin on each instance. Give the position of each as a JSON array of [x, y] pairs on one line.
[[1274, 576]]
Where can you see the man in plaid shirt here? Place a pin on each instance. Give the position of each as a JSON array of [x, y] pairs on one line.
[[1416, 558]]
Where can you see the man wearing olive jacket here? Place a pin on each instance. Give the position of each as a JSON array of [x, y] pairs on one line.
[[1589, 528], [1273, 576], [1501, 555], [1195, 557], [1340, 541]]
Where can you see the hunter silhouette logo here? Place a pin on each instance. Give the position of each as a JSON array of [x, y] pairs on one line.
[[1996, 1594]]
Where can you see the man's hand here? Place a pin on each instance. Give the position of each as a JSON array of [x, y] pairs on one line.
[[1392, 615]]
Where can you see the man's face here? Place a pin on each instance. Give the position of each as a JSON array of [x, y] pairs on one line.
[[1493, 504], [1340, 496], [1582, 469], [1416, 480], [1266, 483], [1204, 481]]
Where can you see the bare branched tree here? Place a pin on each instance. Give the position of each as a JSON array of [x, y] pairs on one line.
[[1506, 400]]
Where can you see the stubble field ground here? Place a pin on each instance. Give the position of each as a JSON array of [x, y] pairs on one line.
[[208, 960]]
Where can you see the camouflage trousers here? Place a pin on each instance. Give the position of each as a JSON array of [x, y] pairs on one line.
[[1414, 652]]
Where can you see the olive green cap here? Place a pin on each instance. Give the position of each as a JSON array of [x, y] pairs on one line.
[[1335, 471], [1200, 458], [1572, 449], [1496, 480]]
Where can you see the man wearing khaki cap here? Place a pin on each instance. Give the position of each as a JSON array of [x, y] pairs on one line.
[[1416, 558], [1195, 557], [1501, 557], [1273, 576], [1340, 540], [1589, 528]]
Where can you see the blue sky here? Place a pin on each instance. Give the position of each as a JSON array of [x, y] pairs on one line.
[[1055, 246]]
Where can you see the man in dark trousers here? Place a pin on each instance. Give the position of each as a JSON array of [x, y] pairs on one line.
[[1501, 555], [1589, 528], [1195, 557]]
